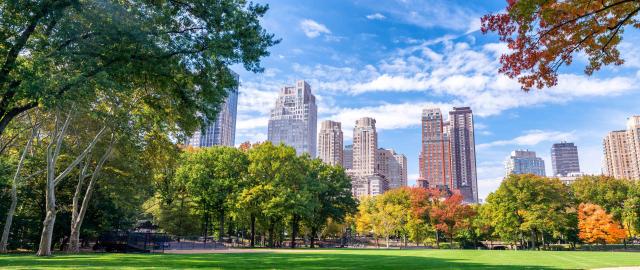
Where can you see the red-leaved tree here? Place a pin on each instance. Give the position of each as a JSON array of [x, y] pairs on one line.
[[544, 35]]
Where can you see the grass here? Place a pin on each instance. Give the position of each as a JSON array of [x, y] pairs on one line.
[[333, 259]]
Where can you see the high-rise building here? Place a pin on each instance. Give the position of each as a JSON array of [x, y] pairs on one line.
[[392, 166], [294, 119], [365, 146], [347, 155], [618, 158], [564, 159], [222, 131], [633, 135], [330, 140], [435, 156], [524, 162], [463, 153]]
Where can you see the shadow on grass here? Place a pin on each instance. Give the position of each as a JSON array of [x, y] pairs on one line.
[[247, 261]]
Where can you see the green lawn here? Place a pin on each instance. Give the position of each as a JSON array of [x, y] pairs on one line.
[[333, 259]]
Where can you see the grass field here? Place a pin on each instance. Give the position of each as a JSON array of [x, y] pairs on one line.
[[333, 259]]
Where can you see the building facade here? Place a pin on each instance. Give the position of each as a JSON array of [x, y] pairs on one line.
[[368, 185], [330, 143], [392, 166], [365, 146], [347, 156], [463, 153], [618, 158], [564, 159], [222, 131], [633, 136], [293, 120], [524, 162], [435, 156]]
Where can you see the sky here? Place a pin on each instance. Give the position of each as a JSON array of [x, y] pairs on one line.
[[391, 59]]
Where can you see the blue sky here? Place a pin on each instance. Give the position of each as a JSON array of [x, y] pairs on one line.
[[390, 59]]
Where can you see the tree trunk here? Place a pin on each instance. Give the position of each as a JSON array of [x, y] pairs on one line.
[[14, 194], [271, 234], [221, 228], [78, 215], [314, 230], [49, 220], [437, 239], [253, 231], [53, 152], [294, 230], [387, 242], [533, 239]]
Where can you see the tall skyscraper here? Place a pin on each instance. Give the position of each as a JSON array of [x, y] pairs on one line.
[[365, 146], [633, 135], [393, 166], [618, 158], [347, 156], [564, 159], [222, 131], [330, 140], [463, 153], [524, 162], [294, 119], [435, 157]]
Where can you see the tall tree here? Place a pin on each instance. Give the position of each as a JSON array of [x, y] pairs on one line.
[[331, 193], [57, 51], [451, 216], [544, 35], [213, 176]]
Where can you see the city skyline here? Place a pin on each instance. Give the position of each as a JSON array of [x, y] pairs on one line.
[[433, 61]]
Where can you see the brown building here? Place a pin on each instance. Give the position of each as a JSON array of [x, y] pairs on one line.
[[435, 158], [463, 153]]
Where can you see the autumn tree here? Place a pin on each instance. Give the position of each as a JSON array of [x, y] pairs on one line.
[[545, 35], [451, 216], [596, 226]]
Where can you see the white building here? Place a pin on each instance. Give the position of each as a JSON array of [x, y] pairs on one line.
[[330, 141], [294, 119]]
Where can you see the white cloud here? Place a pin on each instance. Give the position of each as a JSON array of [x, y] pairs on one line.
[[376, 16], [531, 138], [313, 29]]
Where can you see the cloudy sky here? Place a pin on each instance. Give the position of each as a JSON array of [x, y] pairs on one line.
[[390, 59]]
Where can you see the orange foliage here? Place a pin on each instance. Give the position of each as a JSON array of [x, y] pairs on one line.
[[596, 226]]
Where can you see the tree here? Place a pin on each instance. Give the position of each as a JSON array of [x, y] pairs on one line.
[[528, 204], [14, 190], [596, 226], [212, 175], [331, 193], [451, 216], [545, 35], [608, 192], [55, 52]]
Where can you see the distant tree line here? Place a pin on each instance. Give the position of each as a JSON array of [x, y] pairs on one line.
[[526, 211]]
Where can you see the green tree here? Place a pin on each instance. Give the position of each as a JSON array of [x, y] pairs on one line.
[[608, 192], [331, 195], [53, 52], [213, 176], [528, 205]]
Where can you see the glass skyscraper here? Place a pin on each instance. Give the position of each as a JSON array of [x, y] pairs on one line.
[[222, 131]]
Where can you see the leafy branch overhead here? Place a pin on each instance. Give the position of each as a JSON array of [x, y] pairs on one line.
[[544, 35]]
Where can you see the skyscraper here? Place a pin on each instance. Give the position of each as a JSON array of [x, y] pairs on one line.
[[564, 159], [365, 146], [463, 153], [347, 156], [524, 162], [330, 140], [222, 131], [618, 158], [294, 119], [435, 157], [393, 166], [633, 135]]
